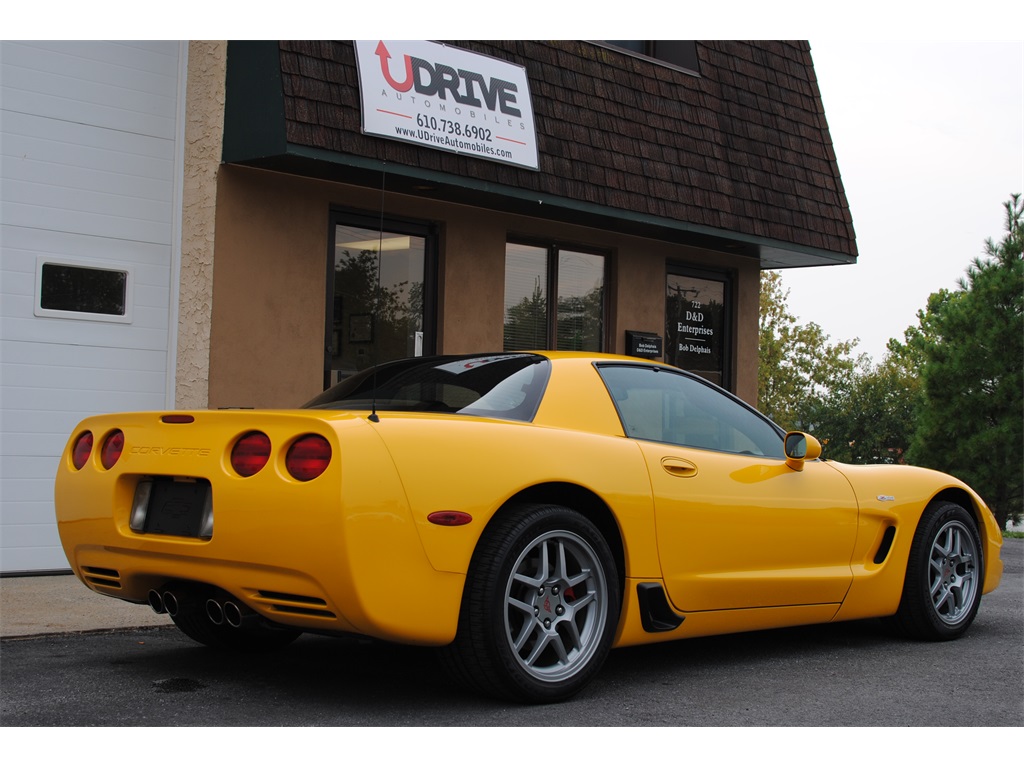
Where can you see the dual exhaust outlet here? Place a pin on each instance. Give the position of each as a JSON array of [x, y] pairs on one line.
[[218, 612]]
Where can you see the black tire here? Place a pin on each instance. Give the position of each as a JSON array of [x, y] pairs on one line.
[[942, 590], [251, 638], [540, 607]]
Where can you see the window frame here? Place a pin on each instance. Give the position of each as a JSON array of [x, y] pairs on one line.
[[429, 231], [650, 54], [694, 380], [553, 248], [100, 266], [729, 281]]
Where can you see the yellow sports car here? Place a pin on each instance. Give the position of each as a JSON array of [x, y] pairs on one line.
[[524, 512]]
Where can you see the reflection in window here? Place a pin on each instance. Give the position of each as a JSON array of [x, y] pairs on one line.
[[376, 317], [696, 325], [667, 407], [495, 386], [526, 297], [574, 320]]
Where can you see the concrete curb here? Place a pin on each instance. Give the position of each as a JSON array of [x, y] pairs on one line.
[[47, 605]]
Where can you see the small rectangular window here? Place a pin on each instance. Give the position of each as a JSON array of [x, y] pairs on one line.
[[678, 54], [82, 291], [580, 319], [554, 298], [526, 297]]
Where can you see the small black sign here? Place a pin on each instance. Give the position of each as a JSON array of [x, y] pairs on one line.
[[643, 344]]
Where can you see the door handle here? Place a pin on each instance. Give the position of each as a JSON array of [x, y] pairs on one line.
[[679, 467]]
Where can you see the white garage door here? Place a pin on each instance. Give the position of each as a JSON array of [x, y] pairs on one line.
[[90, 167]]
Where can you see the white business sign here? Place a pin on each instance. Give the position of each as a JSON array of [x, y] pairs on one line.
[[447, 98]]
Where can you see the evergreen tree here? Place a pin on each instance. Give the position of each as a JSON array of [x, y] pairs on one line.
[[526, 323], [971, 418]]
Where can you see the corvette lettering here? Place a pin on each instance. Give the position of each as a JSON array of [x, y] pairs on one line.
[[157, 450]]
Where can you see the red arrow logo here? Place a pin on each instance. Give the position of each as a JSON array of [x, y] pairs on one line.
[[384, 55]]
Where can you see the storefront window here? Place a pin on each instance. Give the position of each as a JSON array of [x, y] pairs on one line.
[[574, 320], [376, 310], [696, 330]]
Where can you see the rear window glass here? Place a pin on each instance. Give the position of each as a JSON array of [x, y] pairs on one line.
[[498, 386]]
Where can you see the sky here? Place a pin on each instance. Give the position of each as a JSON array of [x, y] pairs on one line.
[[929, 138]]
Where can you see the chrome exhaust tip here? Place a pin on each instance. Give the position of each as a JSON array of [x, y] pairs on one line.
[[156, 602], [233, 614], [215, 612], [170, 603]]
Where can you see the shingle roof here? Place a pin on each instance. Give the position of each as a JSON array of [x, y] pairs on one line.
[[743, 148]]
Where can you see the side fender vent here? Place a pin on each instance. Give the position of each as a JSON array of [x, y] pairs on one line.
[[886, 545], [655, 613]]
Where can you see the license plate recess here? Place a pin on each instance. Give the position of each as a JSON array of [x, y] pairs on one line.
[[177, 506]]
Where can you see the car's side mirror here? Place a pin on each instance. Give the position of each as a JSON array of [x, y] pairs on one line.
[[801, 447]]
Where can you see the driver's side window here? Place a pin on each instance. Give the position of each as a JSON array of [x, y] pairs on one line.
[[667, 407]]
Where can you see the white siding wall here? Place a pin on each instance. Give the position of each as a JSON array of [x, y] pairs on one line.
[[90, 169]]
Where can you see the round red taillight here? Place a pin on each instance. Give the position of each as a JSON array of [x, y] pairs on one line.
[[308, 457], [112, 448], [82, 449], [250, 454]]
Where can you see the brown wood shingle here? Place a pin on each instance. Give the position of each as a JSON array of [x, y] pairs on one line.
[[743, 147]]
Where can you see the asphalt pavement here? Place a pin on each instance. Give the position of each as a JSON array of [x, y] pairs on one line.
[[75, 666]]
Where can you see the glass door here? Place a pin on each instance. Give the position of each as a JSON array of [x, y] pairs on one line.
[[696, 324], [376, 308]]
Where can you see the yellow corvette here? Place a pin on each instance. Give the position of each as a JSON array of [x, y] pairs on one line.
[[525, 512]]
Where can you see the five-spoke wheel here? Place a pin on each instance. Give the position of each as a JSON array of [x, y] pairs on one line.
[[556, 601], [942, 590], [953, 572], [540, 606]]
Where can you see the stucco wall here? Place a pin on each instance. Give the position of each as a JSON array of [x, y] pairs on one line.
[[471, 283], [207, 65], [272, 233]]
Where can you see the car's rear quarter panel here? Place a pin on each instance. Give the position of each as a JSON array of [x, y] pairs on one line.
[[476, 466], [345, 539]]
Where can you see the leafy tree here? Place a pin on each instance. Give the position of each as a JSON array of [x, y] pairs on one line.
[[526, 323], [395, 310], [971, 341], [798, 367], [870, 418], [578, 321]]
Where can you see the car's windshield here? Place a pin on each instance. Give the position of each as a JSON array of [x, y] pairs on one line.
[[503, 386]]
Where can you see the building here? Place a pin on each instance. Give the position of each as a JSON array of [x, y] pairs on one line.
[[323, 205], [91, 158]]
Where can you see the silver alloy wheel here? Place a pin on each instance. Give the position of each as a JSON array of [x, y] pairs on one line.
[[555, 606], [953, 572]]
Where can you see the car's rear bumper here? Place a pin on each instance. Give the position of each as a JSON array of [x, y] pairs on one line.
[[340, 553]]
